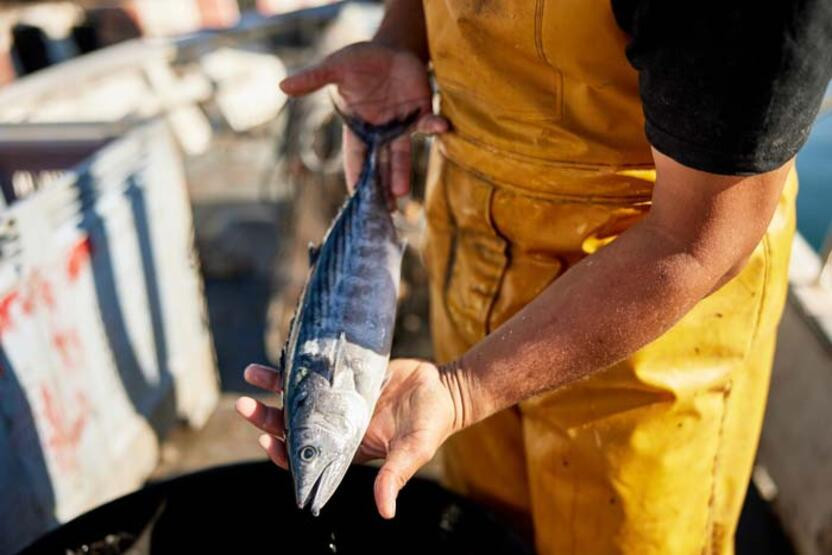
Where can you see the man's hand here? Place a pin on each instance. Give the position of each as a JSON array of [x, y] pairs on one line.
[[414, 415], [377, 84]]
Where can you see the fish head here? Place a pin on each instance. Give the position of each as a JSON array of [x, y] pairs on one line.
[[325, 429]]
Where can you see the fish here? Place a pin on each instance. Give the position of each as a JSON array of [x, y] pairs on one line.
[[335, 358]]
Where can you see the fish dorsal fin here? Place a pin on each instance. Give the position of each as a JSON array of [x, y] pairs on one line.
[[284, 351], [314, 251]]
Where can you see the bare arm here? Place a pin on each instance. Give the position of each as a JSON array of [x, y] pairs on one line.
[[701, 229], [403, 27]]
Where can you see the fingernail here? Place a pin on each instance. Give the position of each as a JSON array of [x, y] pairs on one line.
[[245, 406], [265, 441], [286, 84]]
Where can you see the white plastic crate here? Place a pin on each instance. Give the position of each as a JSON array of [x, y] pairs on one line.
[[104, 341]]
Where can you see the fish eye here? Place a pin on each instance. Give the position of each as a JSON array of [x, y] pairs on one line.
[[308, 453]]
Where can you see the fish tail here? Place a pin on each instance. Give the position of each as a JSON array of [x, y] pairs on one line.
[[376, 135]]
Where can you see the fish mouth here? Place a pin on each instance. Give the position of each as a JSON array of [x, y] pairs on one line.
[[317, 495], [323, 488]]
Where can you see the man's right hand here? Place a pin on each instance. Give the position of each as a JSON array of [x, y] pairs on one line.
[[377, 84]]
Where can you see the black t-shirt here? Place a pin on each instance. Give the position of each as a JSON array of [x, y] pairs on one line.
[[729, 86]]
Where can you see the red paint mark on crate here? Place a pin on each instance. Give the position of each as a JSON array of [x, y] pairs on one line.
[[68, 345], [78, 256], [28, 305], [6, 311], [45, 293], [65, 436]]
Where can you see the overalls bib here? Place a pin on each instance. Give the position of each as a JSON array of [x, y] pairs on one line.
[[547, 163]]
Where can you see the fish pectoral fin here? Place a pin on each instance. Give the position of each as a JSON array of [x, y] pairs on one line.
[[314, 251], [341, 369], [339, 360]]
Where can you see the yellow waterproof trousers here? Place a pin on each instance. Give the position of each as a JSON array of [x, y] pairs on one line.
[[546, 164]]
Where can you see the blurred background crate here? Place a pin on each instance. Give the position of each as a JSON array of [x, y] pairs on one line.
[[104, 343]]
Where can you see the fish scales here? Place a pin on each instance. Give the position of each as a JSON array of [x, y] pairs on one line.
[[351, 285], [335, 358]]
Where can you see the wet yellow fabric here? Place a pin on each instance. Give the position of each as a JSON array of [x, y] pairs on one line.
[[547, 163]]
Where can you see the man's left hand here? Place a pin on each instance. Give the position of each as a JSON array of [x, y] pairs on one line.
[[414, 415]]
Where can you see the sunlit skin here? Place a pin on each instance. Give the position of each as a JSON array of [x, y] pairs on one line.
[[412, 418], [700, 230], [378, 84]]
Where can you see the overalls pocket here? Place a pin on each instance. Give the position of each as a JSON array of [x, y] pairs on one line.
[[465, 256]]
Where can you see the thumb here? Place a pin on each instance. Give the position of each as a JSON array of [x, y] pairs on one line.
[[310, 79], [400, 466], [431, 124]]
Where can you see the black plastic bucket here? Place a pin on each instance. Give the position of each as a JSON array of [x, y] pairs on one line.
[[249, 508]]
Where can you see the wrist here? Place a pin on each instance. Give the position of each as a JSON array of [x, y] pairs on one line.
[[397, 44], [385, 37], [470, 404], [391, 34]]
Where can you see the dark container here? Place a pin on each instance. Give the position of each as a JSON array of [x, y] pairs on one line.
[[250, 508]]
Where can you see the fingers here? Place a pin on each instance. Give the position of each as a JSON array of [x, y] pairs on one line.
[[400, 152], [400, 466], [385, 175], [263, 377], [275, 448], [310, 79], [400, 166], [431, 124], [353, 150], [268, 419], [394, 161], [398, 173]]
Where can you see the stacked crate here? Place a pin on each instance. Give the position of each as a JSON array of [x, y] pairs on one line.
[[104, 342]]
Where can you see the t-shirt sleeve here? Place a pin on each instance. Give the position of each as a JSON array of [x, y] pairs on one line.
[[730, 86]]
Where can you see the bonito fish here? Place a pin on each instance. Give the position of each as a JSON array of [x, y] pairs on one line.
[[336, 356]]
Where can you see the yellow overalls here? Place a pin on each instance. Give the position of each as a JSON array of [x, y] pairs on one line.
[[548, 162]]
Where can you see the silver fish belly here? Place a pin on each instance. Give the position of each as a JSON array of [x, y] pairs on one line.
[[335, 359]]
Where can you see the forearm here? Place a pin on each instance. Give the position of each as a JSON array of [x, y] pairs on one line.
[[700, 230], [403, 27], [596, 314]]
